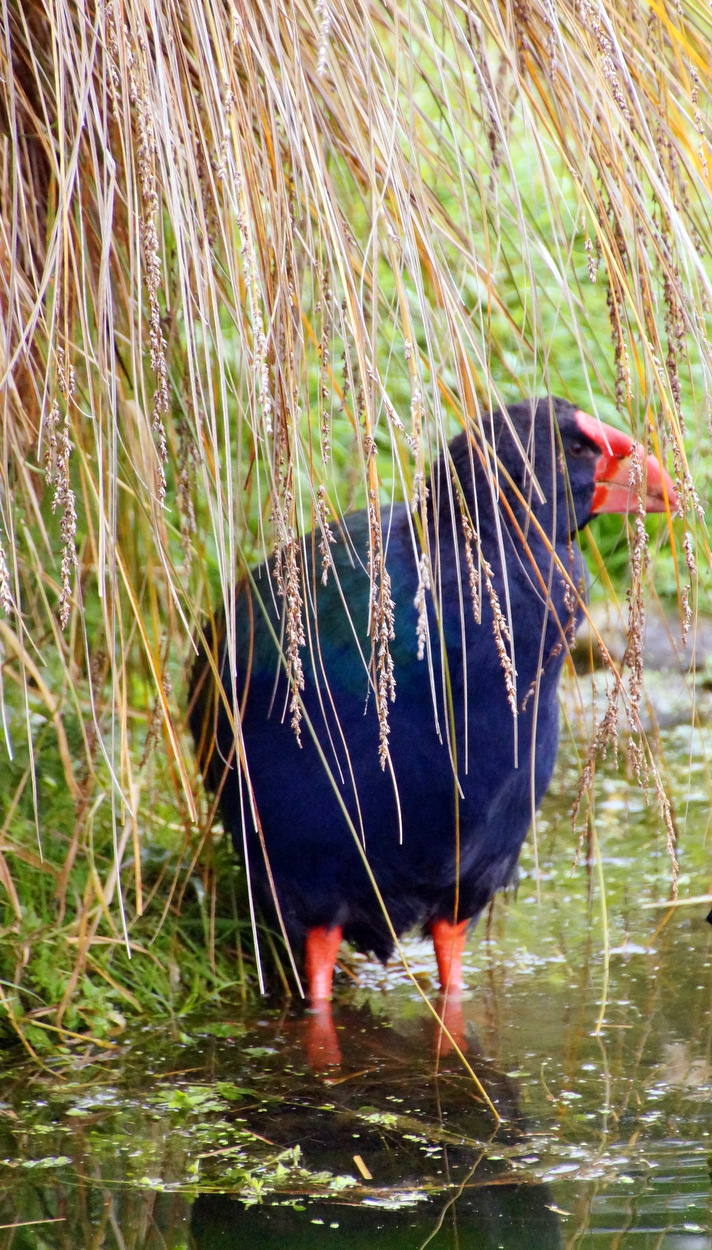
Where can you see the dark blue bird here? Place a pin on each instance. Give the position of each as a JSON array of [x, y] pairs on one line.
[[485, 602]]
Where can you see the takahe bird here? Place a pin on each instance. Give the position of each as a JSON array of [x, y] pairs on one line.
[[477, 646]]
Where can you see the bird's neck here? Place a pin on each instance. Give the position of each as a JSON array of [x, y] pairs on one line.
[[513, 564]]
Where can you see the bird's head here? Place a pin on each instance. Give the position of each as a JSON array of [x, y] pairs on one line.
[[563, 464], [605, 469]]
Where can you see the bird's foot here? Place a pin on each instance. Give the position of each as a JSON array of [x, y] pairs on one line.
[[322, 945]]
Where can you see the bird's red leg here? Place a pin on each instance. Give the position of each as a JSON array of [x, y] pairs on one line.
[[322, 947], [449, 941]]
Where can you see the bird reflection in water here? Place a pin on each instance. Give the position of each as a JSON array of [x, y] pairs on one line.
[[428, 1164]]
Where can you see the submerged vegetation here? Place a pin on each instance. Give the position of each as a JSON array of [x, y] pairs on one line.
[[257, 264]]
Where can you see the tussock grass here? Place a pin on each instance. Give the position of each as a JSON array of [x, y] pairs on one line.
[[257, 264]]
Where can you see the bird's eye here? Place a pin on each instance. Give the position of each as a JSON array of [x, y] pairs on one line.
[[576, 448]]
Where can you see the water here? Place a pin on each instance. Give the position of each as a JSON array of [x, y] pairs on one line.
[[217, 1133]]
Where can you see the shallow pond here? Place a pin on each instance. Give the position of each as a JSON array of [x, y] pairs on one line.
[[588, 1024]]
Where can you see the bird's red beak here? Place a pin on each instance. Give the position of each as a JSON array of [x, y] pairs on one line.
[[614, 490]]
